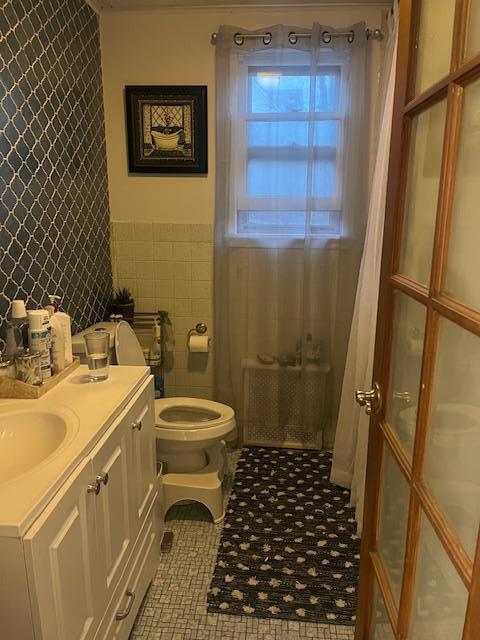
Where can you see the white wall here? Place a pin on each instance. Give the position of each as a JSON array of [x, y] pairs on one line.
[[173, 47]]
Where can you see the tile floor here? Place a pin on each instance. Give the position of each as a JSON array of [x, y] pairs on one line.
[[175, 607]]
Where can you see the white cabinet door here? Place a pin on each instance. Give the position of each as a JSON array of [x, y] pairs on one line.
[[115, 537], [62, 563], [143, 463]]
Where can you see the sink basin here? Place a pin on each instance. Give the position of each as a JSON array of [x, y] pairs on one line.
[[31, 437]]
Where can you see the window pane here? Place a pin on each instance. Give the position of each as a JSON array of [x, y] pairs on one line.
[[288, 178], [393, 522], [473, 39], [292, 134], [327, 92], [434, 41], [324, 179], [380, 626], [440, 601], [423, 178], [405, 367], [463, 254], [287, 90], [453, 446]]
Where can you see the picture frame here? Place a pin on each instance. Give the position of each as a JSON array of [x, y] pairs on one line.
[[167, 129]]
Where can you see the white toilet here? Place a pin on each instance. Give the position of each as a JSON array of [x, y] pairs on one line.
[[190, 432]]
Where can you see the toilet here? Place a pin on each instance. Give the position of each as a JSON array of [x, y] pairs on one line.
[[190, 432]]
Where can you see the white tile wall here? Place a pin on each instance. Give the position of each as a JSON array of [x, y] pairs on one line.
[[170, 266]]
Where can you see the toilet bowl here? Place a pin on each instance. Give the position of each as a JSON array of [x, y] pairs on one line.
[[186, 428], [190, 432]]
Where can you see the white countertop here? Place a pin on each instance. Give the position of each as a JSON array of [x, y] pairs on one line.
[[95, 406]]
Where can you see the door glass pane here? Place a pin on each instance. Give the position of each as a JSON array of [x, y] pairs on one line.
[[405, 366], [424, 164], [453, 447], [393, 522], [440, 597], [380, 628], [473, 36], [464, 255], [434, 42]]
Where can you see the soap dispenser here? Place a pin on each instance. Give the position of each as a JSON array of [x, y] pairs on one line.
[[54, 305]]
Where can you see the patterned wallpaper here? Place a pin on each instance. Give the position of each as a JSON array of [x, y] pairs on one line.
[[54, 214]]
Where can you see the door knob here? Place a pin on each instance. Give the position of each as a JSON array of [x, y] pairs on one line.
[[371, 400], [94, 487], [102, 477]]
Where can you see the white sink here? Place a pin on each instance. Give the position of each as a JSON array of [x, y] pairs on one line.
[[32, 437]]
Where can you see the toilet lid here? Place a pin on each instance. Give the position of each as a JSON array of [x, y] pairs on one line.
[[127, 347]]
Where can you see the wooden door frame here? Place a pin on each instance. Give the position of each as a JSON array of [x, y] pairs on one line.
[[437, 305]]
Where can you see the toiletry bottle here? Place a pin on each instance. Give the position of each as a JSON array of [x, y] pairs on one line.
[[168, 340], [155, 360], [16, 337], [58, 344], [155, 351], [58, 338], [40, 340], [67, 335], [66, 324]]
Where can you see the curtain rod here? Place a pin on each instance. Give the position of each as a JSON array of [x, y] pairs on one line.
[[239, 38]]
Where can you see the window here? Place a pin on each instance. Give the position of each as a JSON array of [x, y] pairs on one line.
[[289, 142]]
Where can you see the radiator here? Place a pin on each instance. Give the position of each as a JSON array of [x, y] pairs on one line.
[[284, 406]]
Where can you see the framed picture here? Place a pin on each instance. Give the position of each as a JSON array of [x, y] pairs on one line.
[[167, 129]]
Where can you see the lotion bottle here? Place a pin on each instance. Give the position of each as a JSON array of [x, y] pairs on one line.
[[66, 324], [58, 344]]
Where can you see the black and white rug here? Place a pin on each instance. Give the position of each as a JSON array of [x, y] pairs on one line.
[[288, 547]]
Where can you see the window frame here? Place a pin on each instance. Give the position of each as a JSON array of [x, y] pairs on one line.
[[240, 201]]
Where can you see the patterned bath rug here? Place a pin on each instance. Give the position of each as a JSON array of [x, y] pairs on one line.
[[288, 547]]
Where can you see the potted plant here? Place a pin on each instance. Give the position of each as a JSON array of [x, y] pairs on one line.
[[123, 303]]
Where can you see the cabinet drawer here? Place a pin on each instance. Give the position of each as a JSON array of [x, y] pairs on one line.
[[133, 585]]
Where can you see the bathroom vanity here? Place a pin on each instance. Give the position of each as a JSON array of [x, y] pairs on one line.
[[80, 515]]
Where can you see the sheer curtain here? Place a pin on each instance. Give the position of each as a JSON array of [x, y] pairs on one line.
[[351, 438], [291, 183]]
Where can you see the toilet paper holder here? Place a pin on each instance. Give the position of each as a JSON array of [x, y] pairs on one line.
[[200, 329]]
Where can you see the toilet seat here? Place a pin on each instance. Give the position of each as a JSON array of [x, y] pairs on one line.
[[192, 419]]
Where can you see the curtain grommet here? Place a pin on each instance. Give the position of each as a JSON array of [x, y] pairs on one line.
[[326, 37], [351, 37], [267, 38], [292, 37], [238, 39]]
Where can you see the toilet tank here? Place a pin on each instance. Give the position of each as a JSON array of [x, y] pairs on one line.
[[78, 344]]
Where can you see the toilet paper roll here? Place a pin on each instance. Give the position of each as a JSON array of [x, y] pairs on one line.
[[198, 344]]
